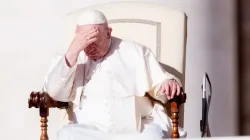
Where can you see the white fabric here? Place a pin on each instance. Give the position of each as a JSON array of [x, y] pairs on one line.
[[91, 16], [152, 129], [113, 115], [109, 99], [84, 132]]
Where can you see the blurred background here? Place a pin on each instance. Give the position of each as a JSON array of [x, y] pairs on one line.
[[218, 43]]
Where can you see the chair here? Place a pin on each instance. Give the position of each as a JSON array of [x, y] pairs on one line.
[[161, 29]]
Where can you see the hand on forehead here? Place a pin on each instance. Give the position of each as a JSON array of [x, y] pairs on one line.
[[84, 28]]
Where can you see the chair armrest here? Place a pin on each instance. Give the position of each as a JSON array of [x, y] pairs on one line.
[[43, 101]]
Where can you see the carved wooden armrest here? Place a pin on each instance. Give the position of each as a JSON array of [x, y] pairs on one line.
[[175, 104], [43, 101]]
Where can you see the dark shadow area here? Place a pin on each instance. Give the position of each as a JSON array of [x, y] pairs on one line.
[[243, 31], [172, 71]]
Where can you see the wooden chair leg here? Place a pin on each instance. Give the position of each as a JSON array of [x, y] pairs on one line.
[[44, 134], [44, 113], [175, 103], [175, 117]]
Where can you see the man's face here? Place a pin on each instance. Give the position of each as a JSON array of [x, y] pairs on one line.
[[100, 47]]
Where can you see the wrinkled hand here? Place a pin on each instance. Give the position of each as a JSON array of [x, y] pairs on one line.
[[84, 36], [171, 88]]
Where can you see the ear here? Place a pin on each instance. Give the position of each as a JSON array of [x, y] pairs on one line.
[[109, 30]]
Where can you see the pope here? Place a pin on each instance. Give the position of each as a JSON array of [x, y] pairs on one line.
[[106, 79]]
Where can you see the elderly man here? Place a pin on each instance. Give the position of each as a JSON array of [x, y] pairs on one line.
[[106, 79]]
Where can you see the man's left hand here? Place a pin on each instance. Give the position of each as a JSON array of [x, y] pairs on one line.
[[171, 88]]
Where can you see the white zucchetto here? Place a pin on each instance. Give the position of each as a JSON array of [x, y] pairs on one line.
[[91, 16]]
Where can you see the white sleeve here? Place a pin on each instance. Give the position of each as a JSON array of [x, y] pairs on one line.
[[150, 75], [59, 80]]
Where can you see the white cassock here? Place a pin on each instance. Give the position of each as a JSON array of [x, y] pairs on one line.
[[107, 95]]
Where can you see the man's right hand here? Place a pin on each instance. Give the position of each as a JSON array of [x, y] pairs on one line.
[[84, 36]]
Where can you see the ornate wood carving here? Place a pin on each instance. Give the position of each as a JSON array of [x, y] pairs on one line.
[[175, 103], [43, 101], [44, 134]]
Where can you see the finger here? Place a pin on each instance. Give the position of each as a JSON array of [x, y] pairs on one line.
[[173, 90], [178, 90], [92, 34], [87, 35], [91, 40], [163, 90], [170, 82], [86, 31], [167, 91]]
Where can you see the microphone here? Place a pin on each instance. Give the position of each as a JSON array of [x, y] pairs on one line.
[[204, 108]]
